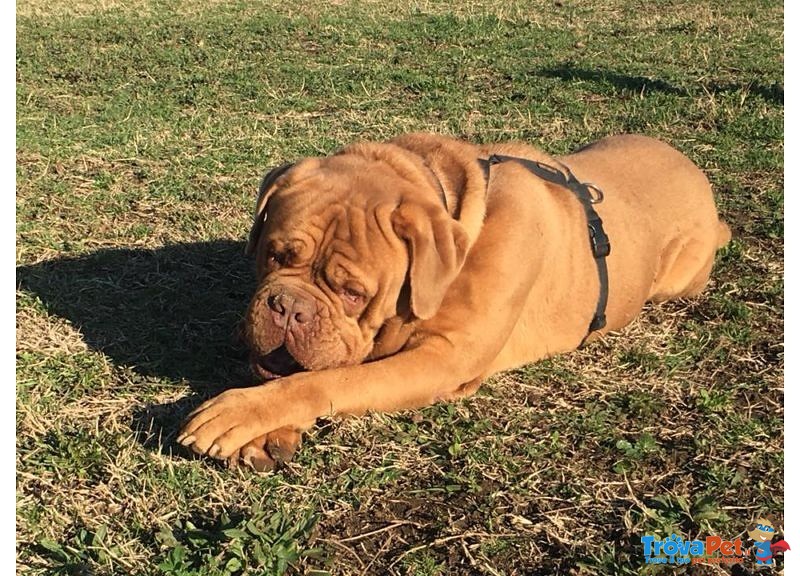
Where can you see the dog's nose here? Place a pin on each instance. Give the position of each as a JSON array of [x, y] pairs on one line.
[[276, 303], [301, 313], [287, 308], [280, 304]]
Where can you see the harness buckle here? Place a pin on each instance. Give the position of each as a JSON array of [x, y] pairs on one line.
[[601, 247]]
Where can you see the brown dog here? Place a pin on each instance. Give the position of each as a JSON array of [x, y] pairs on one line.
[[394, 275]]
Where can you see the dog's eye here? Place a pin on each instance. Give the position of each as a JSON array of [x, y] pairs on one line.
[[353, 297], [275, 259]]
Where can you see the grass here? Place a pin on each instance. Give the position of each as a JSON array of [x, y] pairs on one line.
[[142, 131]]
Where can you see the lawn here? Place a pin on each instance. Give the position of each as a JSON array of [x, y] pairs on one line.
[[143, 129]]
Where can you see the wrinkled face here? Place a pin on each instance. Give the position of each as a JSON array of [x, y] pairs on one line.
[[330, 265]]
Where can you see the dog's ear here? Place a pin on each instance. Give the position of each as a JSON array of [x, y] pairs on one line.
[[264, 191], [437, 248]]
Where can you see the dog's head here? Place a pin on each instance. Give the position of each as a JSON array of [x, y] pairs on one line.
[[344, 244]]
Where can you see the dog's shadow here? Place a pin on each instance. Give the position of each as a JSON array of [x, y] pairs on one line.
[[169, 312]]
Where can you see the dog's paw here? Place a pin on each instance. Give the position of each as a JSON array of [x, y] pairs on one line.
[[223, 425], [268, 451]]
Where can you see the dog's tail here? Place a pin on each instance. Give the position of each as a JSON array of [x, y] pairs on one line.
[[723, 234]]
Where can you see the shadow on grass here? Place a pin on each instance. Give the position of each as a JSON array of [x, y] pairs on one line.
[[772, 93], [169, 313]]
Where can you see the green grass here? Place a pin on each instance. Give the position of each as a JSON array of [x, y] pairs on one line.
[[142, 131]]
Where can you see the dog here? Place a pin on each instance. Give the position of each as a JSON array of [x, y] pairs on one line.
[[397, 274]]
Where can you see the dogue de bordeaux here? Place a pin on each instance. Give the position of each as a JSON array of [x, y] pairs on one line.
[[392, 275]]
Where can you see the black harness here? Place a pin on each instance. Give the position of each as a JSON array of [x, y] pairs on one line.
[[589, 195]]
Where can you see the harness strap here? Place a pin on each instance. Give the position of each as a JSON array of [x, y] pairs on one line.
[[588, 194]]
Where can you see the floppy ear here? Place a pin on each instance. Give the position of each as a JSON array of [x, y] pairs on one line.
[[264, 191], [437, 247]]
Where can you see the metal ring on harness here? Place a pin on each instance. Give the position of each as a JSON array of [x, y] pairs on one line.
[[595, 193]]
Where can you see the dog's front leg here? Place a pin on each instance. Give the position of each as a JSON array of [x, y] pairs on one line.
[[225, 424]]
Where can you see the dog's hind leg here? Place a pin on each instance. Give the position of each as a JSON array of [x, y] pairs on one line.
[[686, 265]]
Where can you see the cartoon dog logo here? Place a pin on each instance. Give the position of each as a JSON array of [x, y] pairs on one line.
[[763, 547]]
